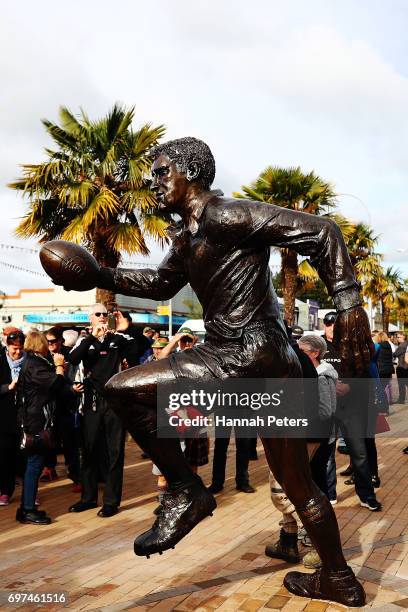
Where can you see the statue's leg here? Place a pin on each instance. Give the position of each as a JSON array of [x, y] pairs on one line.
[[132, 395], [288, 460]]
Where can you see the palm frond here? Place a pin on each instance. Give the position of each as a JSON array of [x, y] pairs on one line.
[[127, 238], [142, 199], [76, 230], [307, 272], [103, 206], [155, 226]]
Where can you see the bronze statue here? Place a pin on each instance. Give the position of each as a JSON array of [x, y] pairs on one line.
[[221, 247]]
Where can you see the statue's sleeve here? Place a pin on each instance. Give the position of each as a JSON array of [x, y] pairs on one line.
[[318, 238], [160, 284]]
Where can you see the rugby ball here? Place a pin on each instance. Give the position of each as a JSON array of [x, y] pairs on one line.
[[70, 265]]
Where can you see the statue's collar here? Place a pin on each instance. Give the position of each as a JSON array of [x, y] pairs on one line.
[[177, 227]]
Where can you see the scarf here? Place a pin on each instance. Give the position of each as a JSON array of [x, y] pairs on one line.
[[15, 366]]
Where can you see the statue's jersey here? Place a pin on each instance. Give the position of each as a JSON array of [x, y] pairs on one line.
[[226, 262]]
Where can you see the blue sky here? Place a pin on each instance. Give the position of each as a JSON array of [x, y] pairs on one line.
[[320, 84]]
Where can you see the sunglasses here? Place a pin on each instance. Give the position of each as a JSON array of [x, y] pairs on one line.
[[53, 341], [100, 314], [15, 336]]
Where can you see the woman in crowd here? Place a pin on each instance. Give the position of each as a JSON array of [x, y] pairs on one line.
[[384, 362], [11, 361], [39, 383]]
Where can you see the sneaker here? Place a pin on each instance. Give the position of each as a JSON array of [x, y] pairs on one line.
[[4, 500], [333, 502], [372, 504]]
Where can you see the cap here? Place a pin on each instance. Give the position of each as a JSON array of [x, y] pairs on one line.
[[330, 317], [297, 331], [147, 329], [160, 343], [186, 331]]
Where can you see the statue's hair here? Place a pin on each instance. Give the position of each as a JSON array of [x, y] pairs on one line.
[[183, 151]]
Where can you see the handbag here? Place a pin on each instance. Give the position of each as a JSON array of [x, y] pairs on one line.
[[44, 440], [40, 442], [382, 425]]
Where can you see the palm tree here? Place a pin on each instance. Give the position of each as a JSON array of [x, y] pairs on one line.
[[387, 288], [291, 188], [361, 243], [92, 189]]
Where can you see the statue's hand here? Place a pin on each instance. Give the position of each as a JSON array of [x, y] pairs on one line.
[[352, 338]]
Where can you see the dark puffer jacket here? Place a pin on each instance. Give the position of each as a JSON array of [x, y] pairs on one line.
[[38, 385], [384, 360]]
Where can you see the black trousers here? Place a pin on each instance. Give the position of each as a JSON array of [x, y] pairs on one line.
[[8, 462], [96, 425], [318, 465], [402, 378], [243, 446]]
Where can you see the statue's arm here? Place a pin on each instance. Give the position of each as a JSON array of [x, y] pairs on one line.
[[320, 239], [160, 284]]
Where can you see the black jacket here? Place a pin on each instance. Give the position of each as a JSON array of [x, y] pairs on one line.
[[8, 406], [101, 359], [38, 385], [384, 359]]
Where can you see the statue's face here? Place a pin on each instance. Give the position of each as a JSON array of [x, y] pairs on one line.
[[169, 184]]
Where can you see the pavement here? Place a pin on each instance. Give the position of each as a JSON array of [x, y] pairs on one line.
[[219, 566]]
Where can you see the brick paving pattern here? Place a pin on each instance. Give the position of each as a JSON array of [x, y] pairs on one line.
[[221, 565]]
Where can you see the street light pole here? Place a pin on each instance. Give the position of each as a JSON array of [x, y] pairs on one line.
[[170, 320]]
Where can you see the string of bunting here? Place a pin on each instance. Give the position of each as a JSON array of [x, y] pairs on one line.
[[8, 247], [20, 269]]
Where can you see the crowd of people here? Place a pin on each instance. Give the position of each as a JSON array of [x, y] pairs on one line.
[[52, 400]]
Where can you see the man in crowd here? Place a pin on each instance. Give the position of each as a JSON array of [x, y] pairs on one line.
[[149, 334], [101, 351], [352, 410]]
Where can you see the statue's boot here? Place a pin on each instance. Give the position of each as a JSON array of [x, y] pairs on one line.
[[285, 548], [340, 586], [181, 511], [187, 501], [335, 581]]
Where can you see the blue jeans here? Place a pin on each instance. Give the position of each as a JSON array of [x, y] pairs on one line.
[[35, 464]]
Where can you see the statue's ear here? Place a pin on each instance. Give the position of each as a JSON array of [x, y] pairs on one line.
[[193, 171]]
